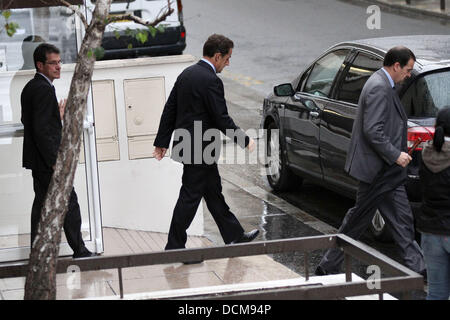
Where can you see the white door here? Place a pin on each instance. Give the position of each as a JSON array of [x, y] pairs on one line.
[[16, 199]]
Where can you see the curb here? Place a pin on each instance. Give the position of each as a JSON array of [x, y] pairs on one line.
[[405, 9]]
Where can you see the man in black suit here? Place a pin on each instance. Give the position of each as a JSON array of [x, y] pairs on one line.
[[41, 118], [196, 105], [379, 140]]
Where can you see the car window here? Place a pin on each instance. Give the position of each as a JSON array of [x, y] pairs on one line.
[[323, 73], [427, 95], [303, 79], [358, 73]]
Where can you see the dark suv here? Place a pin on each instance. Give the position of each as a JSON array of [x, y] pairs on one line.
[[310, 120], [119, 42]]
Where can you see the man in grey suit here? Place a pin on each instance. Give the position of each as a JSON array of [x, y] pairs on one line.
[[378, 140]]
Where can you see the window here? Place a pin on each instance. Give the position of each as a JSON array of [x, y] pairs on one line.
[[303, 79], [427, 95], [323, 73], [358, 73], [36, 25], [55, 25]]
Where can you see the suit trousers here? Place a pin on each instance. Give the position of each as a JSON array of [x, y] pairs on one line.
[[396, 212], [72, 220], [201, 182]]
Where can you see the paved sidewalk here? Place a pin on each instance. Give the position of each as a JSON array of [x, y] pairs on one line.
[[104, 284]]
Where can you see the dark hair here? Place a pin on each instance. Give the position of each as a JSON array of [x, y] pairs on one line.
[[398, 54], [217, 43], [442, 128], [32, 39], [40, 54]]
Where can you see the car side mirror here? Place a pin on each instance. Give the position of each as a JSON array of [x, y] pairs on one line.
[[284, 90]]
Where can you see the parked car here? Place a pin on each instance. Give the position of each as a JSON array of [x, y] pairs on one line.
[[171, 41], [310, 120]]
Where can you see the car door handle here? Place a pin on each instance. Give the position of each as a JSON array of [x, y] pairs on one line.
[[314, 114]]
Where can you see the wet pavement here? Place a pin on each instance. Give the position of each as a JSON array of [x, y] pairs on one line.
[[278, 219], [273, 223]]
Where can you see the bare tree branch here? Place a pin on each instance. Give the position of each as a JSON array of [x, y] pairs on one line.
[[9, 4], [138, 20], [169, 2], [76, 11]]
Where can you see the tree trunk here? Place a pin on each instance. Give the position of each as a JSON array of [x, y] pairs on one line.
[[41, 279]]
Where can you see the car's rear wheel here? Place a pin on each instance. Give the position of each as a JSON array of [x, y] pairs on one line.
[[280, 177]]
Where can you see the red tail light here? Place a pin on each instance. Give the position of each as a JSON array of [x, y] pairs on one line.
[[424, 133], [183, 35]]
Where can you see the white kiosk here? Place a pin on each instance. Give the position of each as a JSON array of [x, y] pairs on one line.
[[118, 182]]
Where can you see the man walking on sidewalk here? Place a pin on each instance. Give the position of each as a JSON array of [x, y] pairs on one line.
[[197, 104], [378, 142]]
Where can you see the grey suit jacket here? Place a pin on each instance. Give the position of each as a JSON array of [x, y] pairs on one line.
[[379, 131]]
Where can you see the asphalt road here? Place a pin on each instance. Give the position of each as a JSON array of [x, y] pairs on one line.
[[276, 39]]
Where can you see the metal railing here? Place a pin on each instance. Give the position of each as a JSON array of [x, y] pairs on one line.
[[401, 279], [11, 130]]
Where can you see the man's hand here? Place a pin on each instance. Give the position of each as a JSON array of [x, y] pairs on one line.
[[62, 107], [251, 145], [404, 159], [159, 153]]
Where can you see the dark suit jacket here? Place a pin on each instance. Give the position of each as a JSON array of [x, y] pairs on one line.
[[42, 124], [197, 96], [379, 131]]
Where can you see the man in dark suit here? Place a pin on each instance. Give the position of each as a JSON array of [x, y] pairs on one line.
[[196, 105], [379, 139], [41, 118]]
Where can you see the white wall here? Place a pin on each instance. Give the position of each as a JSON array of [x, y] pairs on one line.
[[135, 194]]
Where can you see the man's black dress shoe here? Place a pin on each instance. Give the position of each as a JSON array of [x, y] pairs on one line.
[[247, 237], [424, 274], [320, 271]]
